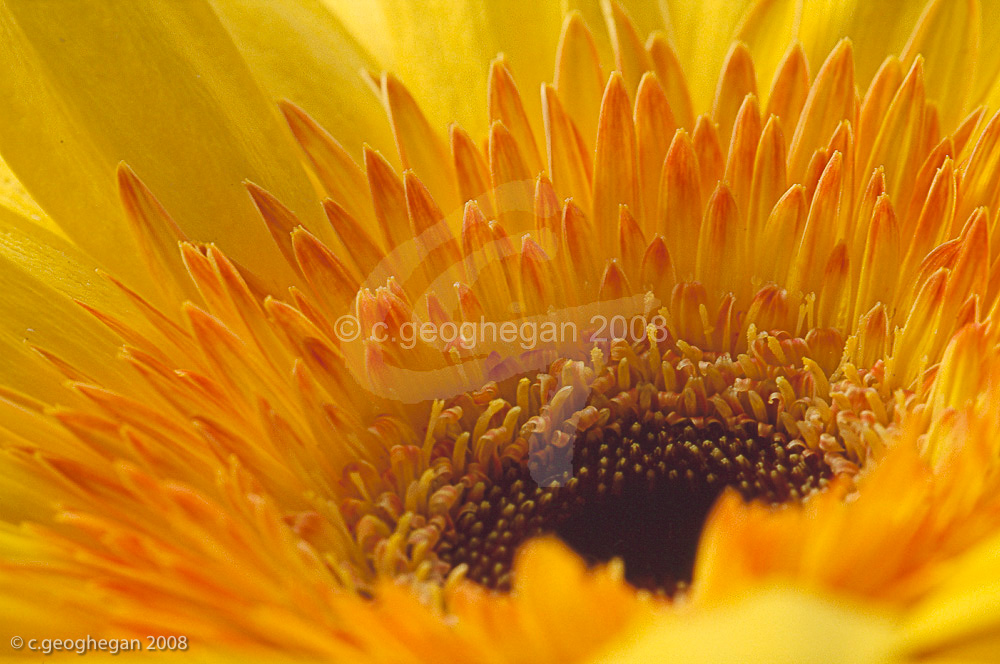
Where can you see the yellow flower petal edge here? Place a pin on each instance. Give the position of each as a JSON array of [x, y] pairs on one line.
[[195, 123], [444, 46], [42, 276], [961, 620], [780, 625], [14, 197], [300, 50]]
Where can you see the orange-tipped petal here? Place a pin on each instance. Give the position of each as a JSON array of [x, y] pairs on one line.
[[737, 80], [388, 199], [872, 337], [340, 176], [435, 241], [505, 105], [631, 243], [936, 217], [832, 300], [912, 347], [820, 231], [972, 264], [743, 152], [768, 183], [679, 209], [469, 304], [579, 77], [657, 270], [899, 140], [671, 75], [420, 147], [924, 181], [782, 235], [471, 170], [513, 181], [363, 250], [966, 129], [880, 262], [156, 232], [569, 162], [711, 158], [279, 219], [979, 172], [484, 261], [631, 58], [580, 258], [537, 278], [614, 283], [858, 233], [328, 278], [720, 244], [616, 177], [789, 88], [548, 212], [654, 129], [876, 102], [831, 99], [842, 141]]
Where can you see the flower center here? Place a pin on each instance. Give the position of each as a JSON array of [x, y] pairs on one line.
[[639, 489], [627, 462]]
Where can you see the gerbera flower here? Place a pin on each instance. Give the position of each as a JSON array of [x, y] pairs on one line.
[[690, 354]]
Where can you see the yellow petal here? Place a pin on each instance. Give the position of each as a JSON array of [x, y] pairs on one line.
[[875, 29], [737, 80], [679, 211], [831, 99], [441, 50], [947, 35], [181, 108], [988, 62], [420, 144], [766, 30], [646, 16], [654, 129], [959, 622], [631, 59], [616, 180], [301, 51], [512, 181], [569, 161], [579, 77], [41, 275], [773, 625], [707, 47], [332, 165], [14, 197]]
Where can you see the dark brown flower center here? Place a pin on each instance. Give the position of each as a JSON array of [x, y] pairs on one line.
[[638, 489]]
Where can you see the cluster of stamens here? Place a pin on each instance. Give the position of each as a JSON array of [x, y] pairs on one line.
[[638, 488]]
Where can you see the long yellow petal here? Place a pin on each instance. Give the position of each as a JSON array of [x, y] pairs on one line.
[[876, 29], [300, 50], [41, 275], [775, 625], [947, 35], [988, 62], [441, 50], [646, 16], [688, 23], [181, 108], [959, 622], [14, 197]]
